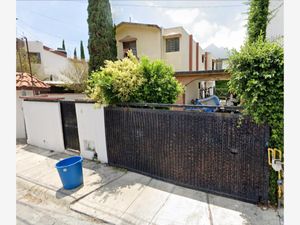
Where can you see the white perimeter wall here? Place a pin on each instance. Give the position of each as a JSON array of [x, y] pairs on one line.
[[20, 129], [91, 131], [43, 125]]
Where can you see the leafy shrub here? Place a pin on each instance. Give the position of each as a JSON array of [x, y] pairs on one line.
[[129, 80], [257, 78], [160, 85], [222, 89], [117, 81]]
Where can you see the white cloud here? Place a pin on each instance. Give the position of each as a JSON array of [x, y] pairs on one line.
[[227, 38], [231, 36], [204, 29], [183, 16]]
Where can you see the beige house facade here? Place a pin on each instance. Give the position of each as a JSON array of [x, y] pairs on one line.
[[173, 45]]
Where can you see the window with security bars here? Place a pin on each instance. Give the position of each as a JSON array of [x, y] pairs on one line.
[[172, 44], [35, 57], [130, 45]]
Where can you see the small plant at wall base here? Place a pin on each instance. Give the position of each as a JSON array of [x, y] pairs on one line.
[[257, 78], [129, 80]]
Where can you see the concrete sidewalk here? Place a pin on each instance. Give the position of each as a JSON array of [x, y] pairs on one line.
[[119, 197]]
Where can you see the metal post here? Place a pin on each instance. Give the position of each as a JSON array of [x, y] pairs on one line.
[[20, 59], [29, 64]]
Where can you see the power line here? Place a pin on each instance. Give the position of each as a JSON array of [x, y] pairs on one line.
[[69, 49], [37, 29], [54, 19], [86, 1], [177, 7]]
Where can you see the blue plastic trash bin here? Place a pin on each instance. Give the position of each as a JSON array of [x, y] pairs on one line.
[[70, 172]]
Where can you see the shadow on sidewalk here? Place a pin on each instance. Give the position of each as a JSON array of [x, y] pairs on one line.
[[112, 185]]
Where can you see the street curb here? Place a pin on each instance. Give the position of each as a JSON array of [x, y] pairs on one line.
[[42, 192]]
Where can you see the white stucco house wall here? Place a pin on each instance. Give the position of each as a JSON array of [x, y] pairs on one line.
[[51, 63]]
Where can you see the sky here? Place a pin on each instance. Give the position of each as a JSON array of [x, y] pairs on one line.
[[220, 22]]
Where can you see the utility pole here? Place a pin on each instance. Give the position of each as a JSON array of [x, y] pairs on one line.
[[29, 64], [20, 58]]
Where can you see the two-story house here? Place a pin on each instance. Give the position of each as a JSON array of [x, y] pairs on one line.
[[174, 45], [50, 64]]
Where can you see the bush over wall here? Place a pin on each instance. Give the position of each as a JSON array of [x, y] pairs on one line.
[[257, 78], [129, 80]]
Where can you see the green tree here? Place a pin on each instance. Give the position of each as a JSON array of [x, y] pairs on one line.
[[82, 56], [257, 79], [63, 45], [101, 44], [257, 19], [160, 85], [75, 54]]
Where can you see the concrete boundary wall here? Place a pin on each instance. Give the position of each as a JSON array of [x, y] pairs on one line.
[[20, 122], [91, 131], [43, 124]]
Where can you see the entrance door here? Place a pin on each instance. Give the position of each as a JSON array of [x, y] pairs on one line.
[[69, 123]]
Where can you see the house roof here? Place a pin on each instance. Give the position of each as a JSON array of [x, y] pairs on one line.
[[57, 52], [138, 24], [26, 81], [172, 35], [127, 39]]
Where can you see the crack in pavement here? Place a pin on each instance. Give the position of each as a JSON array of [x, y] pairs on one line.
[[210, 217]]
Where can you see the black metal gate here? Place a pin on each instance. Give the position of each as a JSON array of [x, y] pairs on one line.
[[69, 123], [205, 151]]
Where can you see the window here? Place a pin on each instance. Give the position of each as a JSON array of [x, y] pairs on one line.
[[130, 45], [35, 57], [219, 65], [203, 58], [172, 44]]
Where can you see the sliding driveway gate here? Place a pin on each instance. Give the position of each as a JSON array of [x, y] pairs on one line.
[[204, 151]]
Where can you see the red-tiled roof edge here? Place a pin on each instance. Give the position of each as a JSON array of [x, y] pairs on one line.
[[26, 81], [55, 51]]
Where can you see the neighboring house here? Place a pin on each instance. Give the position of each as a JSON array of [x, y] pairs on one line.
[[50, 63], [174, 45], [221, 63], [275, 25]]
